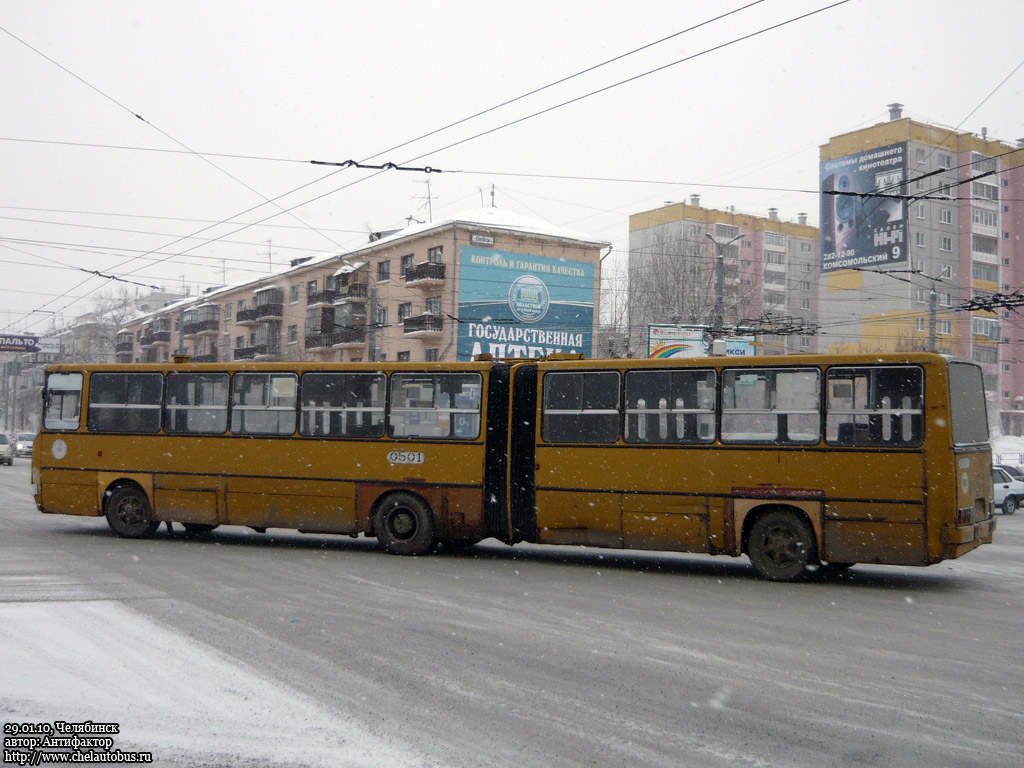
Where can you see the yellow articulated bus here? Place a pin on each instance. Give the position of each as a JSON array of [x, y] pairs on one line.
[[798, 462]]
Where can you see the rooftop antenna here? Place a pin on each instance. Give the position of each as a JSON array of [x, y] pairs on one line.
[[270, 257], [492, 196], [430, 199]]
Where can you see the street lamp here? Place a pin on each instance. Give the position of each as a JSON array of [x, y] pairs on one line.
[[719, 279]]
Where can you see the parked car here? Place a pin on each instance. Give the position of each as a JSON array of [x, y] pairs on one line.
[[1015, 472], [1008, 492], [23, 443], [6, 451]]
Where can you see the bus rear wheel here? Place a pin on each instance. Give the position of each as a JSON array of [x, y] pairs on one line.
[[128, 513], [781, 546], [403, 525]]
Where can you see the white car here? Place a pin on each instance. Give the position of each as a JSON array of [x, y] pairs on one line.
[[23, 443], [1008, 493], [6, 451]]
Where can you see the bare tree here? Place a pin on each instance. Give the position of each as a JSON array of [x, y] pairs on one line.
[[672, 280]]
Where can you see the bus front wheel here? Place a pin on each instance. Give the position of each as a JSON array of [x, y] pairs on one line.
[[403, 525], [129, 514], [781, 546]]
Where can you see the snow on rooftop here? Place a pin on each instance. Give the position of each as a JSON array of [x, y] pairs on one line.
[[495, 218]]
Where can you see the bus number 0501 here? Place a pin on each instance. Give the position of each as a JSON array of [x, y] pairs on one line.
[[405, 457]]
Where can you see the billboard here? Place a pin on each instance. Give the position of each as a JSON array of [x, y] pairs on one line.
[[50, 346], [518, 305], [665, 341], [858, 231]]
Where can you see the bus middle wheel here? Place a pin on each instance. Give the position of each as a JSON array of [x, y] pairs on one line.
[[128, 513], [404, 525], [781, 546]]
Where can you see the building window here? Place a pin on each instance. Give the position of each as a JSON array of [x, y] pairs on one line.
[[920, 324], [294, 298], [241, 304], [227, 311], [726, 231], [404, 311], [920, 210], [382, 316], [239, 342], [435, 255], [774, 258], [805, 247], [805, 304], [805, 285], [919, 295], [919, 155], [919, 239], [805, 267], [403, 357], [430, 355], [984, 218], [770, 238], [406, 263], [434, 305], [986, 245], [293, 334], [945, 161], [945, 216], [946, 326], [945, 244], [383, 271], [988, 272]]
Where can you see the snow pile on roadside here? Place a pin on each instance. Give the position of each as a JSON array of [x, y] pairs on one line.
[[185, 703]]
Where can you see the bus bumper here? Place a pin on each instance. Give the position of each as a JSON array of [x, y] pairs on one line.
[[960, 539]]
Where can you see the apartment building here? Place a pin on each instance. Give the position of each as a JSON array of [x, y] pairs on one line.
[[768, 272], [487, 281], [941, 211]]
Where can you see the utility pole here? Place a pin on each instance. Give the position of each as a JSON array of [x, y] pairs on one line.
[[719, 280]]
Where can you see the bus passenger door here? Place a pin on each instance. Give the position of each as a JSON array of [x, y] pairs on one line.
[[522, 453]]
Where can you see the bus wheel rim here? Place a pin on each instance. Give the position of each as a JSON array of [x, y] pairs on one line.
[[402, 524], [782, 545], [129, 511]]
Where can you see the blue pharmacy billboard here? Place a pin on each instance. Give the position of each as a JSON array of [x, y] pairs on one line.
[[859, 230], [517, 305]]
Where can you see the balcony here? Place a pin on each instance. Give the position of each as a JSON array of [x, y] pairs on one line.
[[347, 337], [123, 346], [123, 357], [315, 342], [321, 297], [423, 326], [211, 358], [259, 314], [250, 353], [424, 275], [156, 337], [354, 292], [201, 327]]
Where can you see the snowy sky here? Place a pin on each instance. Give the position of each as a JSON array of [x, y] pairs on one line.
[[236, 98]]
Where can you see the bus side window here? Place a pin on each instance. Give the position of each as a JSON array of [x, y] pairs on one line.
[[125, 402], [581, 407], [263, 403], [875, 405], [196, 403], [670, 406], [343, 404], [435, 405]]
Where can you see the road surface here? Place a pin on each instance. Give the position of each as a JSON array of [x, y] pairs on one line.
[[241, 649]]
